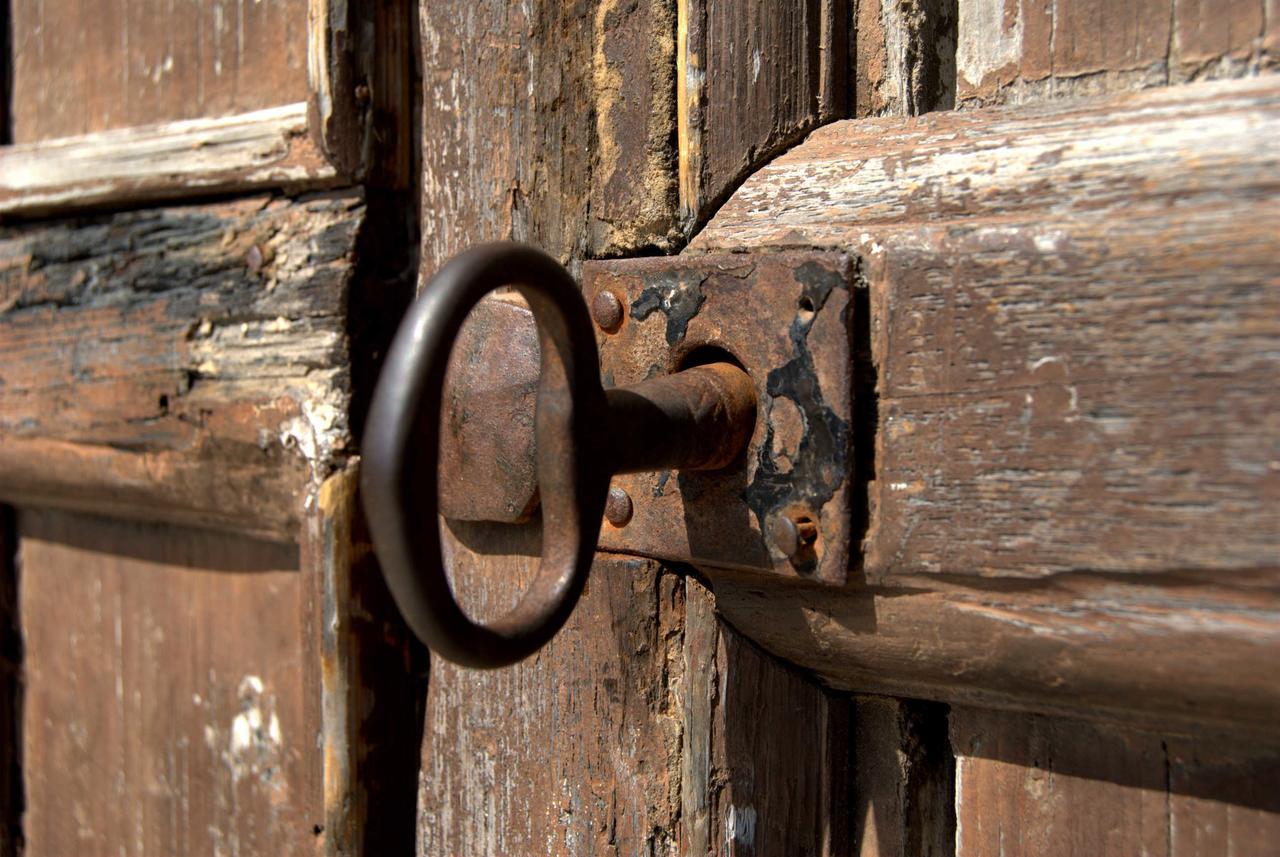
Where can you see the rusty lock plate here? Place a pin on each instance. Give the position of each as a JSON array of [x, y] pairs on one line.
[[786, 507], [787, 319]]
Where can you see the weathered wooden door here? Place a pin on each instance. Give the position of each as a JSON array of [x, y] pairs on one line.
[[1059, 236]]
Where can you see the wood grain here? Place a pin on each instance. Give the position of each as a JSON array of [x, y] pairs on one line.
[[241, 154], [575, 751], [11, 795], [1140, 435], [1189, 655], [1034, 785], [902, 786], [752, 79], [765, 765], [361, 80], [365, 679], [183, 364], [83, 66], [165, 707], [548, 123], [1025, 51]]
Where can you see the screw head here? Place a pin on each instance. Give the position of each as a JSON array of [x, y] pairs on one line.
[[618, 508], [606, 310], [792, 534]]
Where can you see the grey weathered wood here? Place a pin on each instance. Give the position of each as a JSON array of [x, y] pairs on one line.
[[184, 364], [1074, 316], [1074, 311], [242, 153]]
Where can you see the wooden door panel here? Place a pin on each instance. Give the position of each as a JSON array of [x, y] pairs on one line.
[[166, 706], [1043, 786], [80, 67]]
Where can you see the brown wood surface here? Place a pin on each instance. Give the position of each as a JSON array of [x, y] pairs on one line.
[[1026, 50], [1139, 436], [765, 765], [89, 66], [165, 707], [548, 123], [902, 787], [11, 796], [361, 87], [752, 79], [575, 751], [366, 681], [185, 364], [1029, 785]]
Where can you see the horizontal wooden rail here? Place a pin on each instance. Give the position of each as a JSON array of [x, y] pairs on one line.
[[1075, 326], [184, 364], [234, 154]]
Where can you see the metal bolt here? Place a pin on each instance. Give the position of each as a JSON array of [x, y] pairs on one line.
[[617, 509], [606, 309], [792, 534]]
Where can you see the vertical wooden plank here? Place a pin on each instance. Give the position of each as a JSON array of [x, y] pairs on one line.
[[10, 691], [90, 65], [766, 749], [1024, 50], [904, 56], [165, 699], [367, 682], [752, 79], [1034, 785], [902, 788], [574, 751], [549, 123]]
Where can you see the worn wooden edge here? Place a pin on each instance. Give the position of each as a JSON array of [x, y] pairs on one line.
[[264, 149], [1178, 654], [360, 77], [1193, 646], [169, 486]]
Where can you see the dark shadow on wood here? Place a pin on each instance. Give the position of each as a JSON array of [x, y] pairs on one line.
[[205, 550]]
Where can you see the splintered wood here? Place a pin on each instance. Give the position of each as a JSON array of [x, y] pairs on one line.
[[184, 364]]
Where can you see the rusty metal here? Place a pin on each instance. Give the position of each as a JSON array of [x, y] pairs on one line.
[[788, 320], [606, 311], [698, 418], [486, 424], [618, 508]]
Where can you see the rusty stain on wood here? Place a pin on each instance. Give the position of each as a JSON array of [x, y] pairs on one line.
[[1027, 446]]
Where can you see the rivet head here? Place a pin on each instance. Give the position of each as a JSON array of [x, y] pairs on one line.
[[618, 509], [606, 310], [793, 534]]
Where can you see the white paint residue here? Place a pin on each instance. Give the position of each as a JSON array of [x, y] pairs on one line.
[[755, 65], [984, 43], [255, 741], [740, 827]]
